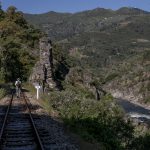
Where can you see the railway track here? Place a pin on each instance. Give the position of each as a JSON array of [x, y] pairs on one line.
[[20, 129]]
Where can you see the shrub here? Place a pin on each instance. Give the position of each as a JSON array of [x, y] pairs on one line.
[[30, 87], [111, 77], [94, 120], [2, 93], [141, 143]]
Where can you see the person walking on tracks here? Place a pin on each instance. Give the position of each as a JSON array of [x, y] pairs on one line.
[[18, 87]]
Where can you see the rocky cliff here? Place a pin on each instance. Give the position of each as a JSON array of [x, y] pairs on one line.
[[43, 71]]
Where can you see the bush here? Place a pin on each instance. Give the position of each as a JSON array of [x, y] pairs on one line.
[[94, 120], [110, 77], [102, 121], [2, 93], [30, 87], [141, 143]]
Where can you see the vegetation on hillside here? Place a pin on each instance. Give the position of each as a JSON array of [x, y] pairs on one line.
[[18, 44], [132, 76]]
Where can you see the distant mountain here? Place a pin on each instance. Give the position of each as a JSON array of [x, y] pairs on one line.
[[64, 25], [50, 17], [131, 11]]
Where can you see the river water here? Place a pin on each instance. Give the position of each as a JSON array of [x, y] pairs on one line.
[[135, 111]]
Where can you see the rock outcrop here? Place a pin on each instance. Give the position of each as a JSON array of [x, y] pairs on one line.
[[43, 70]]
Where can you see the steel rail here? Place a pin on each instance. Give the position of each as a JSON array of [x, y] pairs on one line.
[[33, 125], [5, 118]]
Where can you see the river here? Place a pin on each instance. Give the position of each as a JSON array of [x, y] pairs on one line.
[[135, 111]]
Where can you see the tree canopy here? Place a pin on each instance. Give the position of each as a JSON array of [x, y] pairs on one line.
[[18, 41]]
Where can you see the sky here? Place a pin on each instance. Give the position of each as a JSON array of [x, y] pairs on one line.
[[42, 6]]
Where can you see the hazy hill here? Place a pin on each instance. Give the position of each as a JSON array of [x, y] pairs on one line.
[[64, 25], [131, 11]]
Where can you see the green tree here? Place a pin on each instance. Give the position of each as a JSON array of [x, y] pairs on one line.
[[18, 41]]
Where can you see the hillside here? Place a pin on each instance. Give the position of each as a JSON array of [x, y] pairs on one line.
[[65, 25], [102, 42]]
